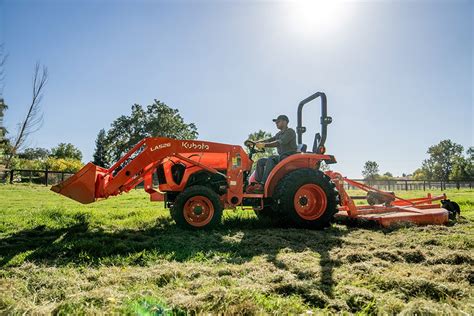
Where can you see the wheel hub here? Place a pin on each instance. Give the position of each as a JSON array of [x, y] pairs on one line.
[[198, 211], [303, 201], [310, 201]]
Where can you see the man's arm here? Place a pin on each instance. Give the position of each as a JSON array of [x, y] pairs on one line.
[[273, 143], [284, 139], [269, 142]]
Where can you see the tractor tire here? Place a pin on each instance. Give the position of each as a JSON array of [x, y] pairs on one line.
[[197, 207], [269, 216], [308, 197]]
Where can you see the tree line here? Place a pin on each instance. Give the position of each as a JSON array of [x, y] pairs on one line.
[[155, 120], [447, 161]]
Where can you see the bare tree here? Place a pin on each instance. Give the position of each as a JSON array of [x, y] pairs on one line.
[[3, 60], [34, 116], [3, 107]]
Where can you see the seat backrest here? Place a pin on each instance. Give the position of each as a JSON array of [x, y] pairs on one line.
[[301, 148]]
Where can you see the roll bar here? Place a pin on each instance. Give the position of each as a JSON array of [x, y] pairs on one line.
[[319, 139]]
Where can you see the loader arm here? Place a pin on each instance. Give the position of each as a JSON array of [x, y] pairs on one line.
[[136, 166]]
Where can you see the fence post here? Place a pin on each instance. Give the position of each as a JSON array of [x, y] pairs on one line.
[[424, 185], [11, 176], [46, 173], [62, 177], [406, 185]]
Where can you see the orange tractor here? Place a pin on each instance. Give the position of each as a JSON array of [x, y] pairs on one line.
[[198, 179]]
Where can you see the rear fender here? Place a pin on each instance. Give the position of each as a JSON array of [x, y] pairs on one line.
[[293, 162]]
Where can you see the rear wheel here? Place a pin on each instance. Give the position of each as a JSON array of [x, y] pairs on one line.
[[308, 197], [197, 207]]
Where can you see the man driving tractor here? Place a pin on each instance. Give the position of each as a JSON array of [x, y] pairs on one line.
[[284, 141]]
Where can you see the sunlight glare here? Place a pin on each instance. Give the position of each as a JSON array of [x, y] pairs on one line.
[[316, 17]]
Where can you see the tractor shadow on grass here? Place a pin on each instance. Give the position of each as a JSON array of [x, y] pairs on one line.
[[237, 241]]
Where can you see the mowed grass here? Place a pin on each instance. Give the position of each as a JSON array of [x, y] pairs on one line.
[[125, 255]]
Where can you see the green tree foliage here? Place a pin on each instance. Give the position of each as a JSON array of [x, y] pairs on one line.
[[259, 136], [66, 151], [51, 163], [386, 176], [4, 143], [157, 120], [419, 174], [463, 167], [371, 170], [100, 153], [37, 153], [64, 157], [442, 158], [3, 130], [61, 164]]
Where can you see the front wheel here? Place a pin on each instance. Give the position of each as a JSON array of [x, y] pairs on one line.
[[197, 207], [308, 197]]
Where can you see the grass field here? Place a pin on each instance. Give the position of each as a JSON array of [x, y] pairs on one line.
[[126, 255]]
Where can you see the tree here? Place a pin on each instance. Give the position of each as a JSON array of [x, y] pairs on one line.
[[37, 153], [157, 120], [3, 60], [100, 153], [34, 118], [66, 151], [463, 167], [258, 136], [442, 158], [4, 143], [371, 170]]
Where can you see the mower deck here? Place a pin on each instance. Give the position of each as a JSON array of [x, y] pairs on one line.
[[390, 208], [388, 216]]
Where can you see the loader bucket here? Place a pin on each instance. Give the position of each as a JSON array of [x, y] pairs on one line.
[[81, 187]]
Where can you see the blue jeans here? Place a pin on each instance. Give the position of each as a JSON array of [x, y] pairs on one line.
[[264, 167]]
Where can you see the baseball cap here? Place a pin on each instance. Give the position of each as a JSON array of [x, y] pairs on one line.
[[281, 117]]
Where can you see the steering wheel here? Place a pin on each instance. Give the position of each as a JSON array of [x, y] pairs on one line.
[[252, 147]]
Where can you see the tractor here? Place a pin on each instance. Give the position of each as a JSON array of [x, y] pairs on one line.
[[197, 180]]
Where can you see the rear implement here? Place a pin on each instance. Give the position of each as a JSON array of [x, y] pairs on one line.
[[388, 209]]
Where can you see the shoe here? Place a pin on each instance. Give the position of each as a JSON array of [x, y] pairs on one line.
[[255, 188]]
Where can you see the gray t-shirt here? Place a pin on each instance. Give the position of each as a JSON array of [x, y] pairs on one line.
[[286, 141]]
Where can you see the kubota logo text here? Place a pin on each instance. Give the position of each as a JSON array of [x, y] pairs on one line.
[[200, 146], [161, 146]]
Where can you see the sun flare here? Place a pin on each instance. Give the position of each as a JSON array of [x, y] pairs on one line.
[[317, 16]]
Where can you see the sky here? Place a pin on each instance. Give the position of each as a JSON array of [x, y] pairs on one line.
[[398, 75]]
